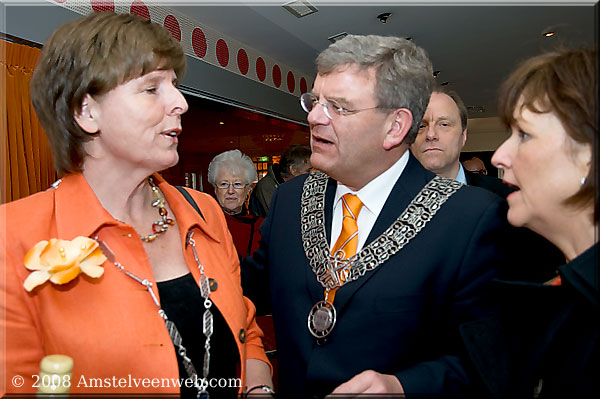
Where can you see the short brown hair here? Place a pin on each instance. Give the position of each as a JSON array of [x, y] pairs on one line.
[[462, 109], [92, 55], [563, 82]]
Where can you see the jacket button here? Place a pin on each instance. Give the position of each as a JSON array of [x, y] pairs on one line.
[[242, 335], [212, 283]]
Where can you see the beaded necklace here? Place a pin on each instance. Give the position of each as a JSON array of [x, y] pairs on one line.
[[161, 225]]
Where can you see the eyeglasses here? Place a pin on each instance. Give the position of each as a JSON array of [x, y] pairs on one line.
[[237, 185], [309, 101]]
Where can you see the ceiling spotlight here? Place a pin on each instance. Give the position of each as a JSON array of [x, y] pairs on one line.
[[384, 17], [548, 34], [337, 37], [436, 73]]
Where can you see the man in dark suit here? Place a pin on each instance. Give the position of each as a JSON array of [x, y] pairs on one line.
[[367, 298], [442, 135]]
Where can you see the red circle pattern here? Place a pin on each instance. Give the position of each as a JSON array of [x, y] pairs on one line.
[[222, 53], [261, 69], [303, 86], [291, 82], [276, 76], [199, 42], [103, 5], [242, 61], [139, 8], [173, 26]]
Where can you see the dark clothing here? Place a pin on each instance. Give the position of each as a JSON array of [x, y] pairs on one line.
[[181, 300], [545, 338], [539, 256], [261, 196], [490, 183], [245, 230], [402, 317]]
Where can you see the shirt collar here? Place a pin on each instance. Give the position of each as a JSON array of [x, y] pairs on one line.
[[461, 177], [375, 193]]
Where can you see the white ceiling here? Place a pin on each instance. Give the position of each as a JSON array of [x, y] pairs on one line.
[[475, 45]]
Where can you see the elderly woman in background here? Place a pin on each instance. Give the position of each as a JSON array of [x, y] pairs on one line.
[[160, 297], [233, 175], [552, 329]]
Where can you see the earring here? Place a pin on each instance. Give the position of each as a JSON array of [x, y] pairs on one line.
[[582, 181]]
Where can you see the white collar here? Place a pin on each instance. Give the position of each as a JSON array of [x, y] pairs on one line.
[[375, 193]]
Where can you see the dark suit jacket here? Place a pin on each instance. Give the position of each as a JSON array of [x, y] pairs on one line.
[[400, 318], [547, 333], [538, 257], [490, 183]]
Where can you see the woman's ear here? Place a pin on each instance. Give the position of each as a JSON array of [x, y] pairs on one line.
[[86, 117], [400, 126]]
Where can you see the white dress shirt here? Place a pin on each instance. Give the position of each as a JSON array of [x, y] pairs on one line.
[[373, 196]]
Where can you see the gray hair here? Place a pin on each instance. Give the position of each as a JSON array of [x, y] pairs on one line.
[[236, 162], [404, 74]]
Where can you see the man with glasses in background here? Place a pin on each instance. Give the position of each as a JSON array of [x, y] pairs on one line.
[[370, 263]]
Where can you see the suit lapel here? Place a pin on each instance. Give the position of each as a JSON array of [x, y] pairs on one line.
[[412, 179]]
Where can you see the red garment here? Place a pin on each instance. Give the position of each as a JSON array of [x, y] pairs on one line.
[[245, 230]]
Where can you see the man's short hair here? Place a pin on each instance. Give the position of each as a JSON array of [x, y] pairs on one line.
[[404, 76], [462, 110], [93, 55], [296, 155]]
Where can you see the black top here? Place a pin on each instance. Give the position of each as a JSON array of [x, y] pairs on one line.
[[181, 300]]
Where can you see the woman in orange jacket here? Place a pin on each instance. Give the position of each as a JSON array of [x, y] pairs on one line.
[[113, 266]]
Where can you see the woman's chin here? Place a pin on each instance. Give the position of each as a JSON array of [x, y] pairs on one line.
[[515, 218]]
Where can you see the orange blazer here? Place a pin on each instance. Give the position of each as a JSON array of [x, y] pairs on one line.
[[110, 325]]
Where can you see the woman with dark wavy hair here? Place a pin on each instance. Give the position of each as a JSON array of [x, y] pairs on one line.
[[551, 329]]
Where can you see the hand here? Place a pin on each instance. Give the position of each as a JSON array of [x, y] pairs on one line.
[[258, 373], [370, 381]]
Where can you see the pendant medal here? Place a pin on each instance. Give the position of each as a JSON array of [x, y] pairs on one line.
[[321, 319]]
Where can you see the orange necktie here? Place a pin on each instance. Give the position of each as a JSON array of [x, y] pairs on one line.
[[348, 239]]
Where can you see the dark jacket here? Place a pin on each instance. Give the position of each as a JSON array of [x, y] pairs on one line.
[[539, 256], [545, 339], [490, 183], [261, 196], [401, 318]]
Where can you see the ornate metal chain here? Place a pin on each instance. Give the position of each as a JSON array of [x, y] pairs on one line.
[[207, 320], [417, 214]]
